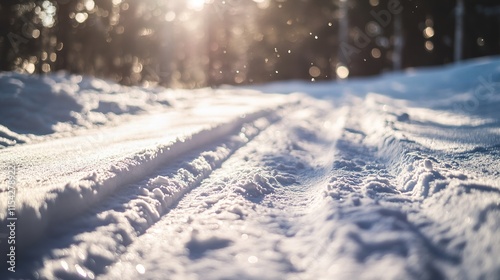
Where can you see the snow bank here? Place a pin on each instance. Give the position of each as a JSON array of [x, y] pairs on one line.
[[32, 106]]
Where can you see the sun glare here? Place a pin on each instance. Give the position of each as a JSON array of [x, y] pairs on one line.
[[196, 4]]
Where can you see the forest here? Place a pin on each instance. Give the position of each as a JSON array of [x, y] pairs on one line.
[[197, 43]]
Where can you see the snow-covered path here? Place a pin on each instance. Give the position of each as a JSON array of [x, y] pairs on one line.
[[244, 185]]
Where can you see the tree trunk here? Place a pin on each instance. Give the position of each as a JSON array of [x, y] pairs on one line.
[[397, 55], [63, 35], [5, 28], [459, 29]]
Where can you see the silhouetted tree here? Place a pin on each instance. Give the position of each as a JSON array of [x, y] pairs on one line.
[[238, 41]]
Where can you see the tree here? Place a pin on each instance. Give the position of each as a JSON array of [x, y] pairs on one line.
[[459, 29]]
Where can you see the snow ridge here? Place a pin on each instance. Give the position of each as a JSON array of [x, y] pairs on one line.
[[143, 204], [431, 186], [76, 197]]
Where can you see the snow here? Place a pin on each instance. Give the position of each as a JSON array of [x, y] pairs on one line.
[[395, 177]]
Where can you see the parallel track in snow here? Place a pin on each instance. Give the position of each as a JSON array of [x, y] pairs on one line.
[[127, 215], [123, 155], [301, 191]]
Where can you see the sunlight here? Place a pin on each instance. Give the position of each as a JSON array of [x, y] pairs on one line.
[[196, 4]]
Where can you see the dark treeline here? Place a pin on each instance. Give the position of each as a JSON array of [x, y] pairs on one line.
[[196, 43]]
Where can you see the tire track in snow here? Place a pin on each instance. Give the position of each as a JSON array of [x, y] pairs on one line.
[[126, 216], [362, 223], [305, 199], [429, 192], [35, 221], [237, 219], [287, 209], [132, 213]]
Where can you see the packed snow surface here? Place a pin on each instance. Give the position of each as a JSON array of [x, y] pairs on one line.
[[395, 177]]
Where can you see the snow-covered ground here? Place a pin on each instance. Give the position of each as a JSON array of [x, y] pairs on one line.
[[395, 177]]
